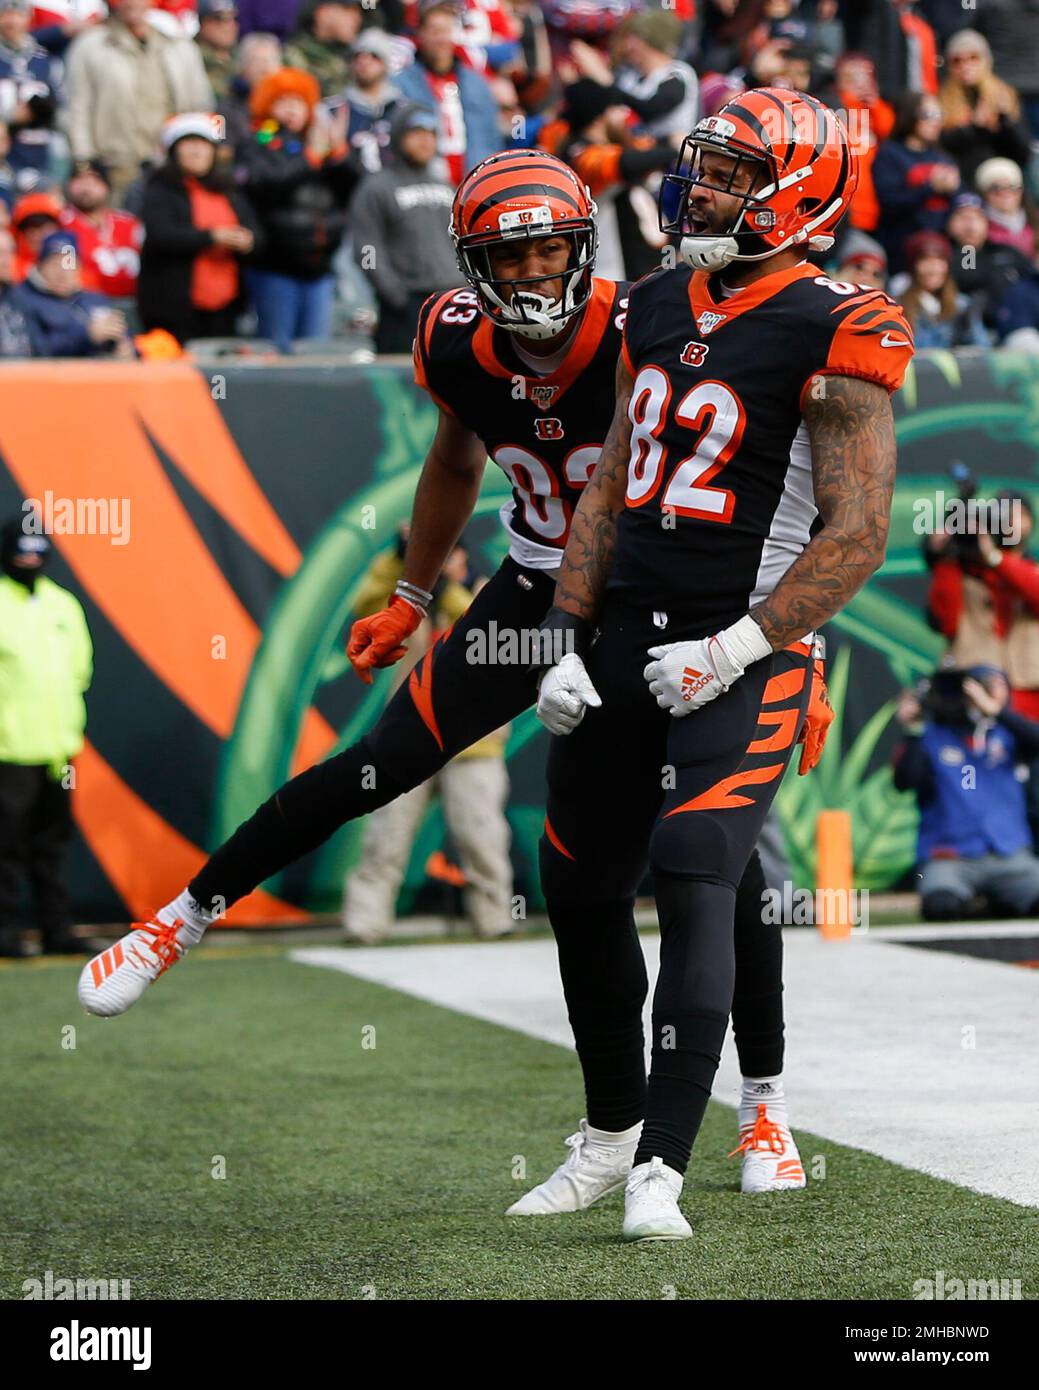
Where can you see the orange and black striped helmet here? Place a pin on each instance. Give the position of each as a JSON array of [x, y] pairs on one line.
[[804, 174], [513, 196]]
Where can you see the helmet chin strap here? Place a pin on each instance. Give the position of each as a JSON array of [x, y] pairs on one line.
[[708, 253], [715, 253], [537, 322]]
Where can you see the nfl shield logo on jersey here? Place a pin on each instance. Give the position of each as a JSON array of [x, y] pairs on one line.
[[542, 396], [706, 323]]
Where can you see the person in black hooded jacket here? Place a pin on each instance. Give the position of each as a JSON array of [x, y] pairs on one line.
[[299, 173]]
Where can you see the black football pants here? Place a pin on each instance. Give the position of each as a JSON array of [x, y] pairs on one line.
[[448, 702], [631, 787]]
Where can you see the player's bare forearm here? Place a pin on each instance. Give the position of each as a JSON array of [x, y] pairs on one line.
[[593, 531], [852, 433], [444, 500]]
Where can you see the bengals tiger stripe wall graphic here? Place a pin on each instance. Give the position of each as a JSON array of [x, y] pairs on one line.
[[257, 497]]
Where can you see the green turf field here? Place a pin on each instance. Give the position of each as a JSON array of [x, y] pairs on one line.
[[383, 1172]]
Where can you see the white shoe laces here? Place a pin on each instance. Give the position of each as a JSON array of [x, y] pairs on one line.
[[652, 1172]]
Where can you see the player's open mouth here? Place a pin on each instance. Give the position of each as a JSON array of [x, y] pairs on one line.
[[696, 223]]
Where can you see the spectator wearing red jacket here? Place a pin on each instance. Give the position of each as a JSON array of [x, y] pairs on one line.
[[987, 604], [109, 239]]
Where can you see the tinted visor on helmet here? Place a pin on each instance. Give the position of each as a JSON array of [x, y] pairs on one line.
[[745, 169]]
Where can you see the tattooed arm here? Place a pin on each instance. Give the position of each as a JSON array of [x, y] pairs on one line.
[[852, 433], [593, 532]]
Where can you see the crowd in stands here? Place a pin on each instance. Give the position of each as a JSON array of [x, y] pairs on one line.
[[282, 170]]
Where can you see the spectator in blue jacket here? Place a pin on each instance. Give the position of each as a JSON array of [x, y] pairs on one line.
[[1017, 314], [63, 319], [30, 93], [462, 99], [913, 177], [960, 756]]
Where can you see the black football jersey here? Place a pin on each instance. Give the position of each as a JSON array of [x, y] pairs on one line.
[[719, 496], [544, 432]]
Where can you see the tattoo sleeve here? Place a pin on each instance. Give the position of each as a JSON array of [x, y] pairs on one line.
[[593, 531], [852, 433]]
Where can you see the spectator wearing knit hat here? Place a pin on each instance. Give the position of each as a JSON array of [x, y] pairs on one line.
[[1000, 183], [322, 45], [941, 317], [981, 112], [371, 99], [299, 174], [400, 239], [663, 92], [198, 229], [109, 239], [861, 261], [982, 268], [64, 319], [33, 217], [124, 80]]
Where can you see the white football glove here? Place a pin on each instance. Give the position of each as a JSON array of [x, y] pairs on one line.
[[685, 675], [565, 692]]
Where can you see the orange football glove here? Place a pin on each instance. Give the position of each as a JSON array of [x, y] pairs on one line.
[[378, 640], [818, 721]]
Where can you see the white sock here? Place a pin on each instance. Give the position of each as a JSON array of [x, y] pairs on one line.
[[192, 914], [606, 1136], [762, 1090]]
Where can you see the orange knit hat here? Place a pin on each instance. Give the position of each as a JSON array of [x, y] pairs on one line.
[[284, 82]]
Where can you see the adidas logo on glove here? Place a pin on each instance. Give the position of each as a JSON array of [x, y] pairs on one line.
[[693, 681]]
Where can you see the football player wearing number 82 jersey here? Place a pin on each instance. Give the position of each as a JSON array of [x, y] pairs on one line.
[[534, 316], [742, 498]]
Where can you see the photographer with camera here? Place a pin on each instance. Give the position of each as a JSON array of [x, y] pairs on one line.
[[960, 756], [984, 592]]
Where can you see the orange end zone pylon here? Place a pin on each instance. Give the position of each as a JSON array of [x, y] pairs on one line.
[[833, 875]]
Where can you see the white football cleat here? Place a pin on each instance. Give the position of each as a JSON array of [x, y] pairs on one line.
[[651, 1203], [771, 1162], [117, 978], [594, 1169]]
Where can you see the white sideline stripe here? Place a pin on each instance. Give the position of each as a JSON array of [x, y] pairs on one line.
[[875, 1055], [950, 931]]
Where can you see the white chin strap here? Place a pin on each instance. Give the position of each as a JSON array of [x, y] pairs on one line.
[[712, 253], [708, 253], [536, 322]]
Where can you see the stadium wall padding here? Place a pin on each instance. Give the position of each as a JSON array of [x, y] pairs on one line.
[[257, 497]]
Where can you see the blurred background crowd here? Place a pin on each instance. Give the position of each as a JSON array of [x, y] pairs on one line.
[[276, 175]]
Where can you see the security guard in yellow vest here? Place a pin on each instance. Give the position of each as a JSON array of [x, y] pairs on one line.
[[46, 662]]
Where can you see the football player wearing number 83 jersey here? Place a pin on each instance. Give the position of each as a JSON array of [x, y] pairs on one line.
[[536, 316], [742, 498]]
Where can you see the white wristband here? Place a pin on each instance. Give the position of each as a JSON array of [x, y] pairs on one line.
[[744, 643]]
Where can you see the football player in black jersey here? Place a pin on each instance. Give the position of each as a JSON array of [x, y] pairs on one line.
[[535, 316], [742, 498]]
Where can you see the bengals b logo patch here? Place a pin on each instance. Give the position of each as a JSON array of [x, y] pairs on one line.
[[548, 428]]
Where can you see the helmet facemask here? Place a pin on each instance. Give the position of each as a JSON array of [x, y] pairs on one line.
[[700, 247], [507, 302]]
